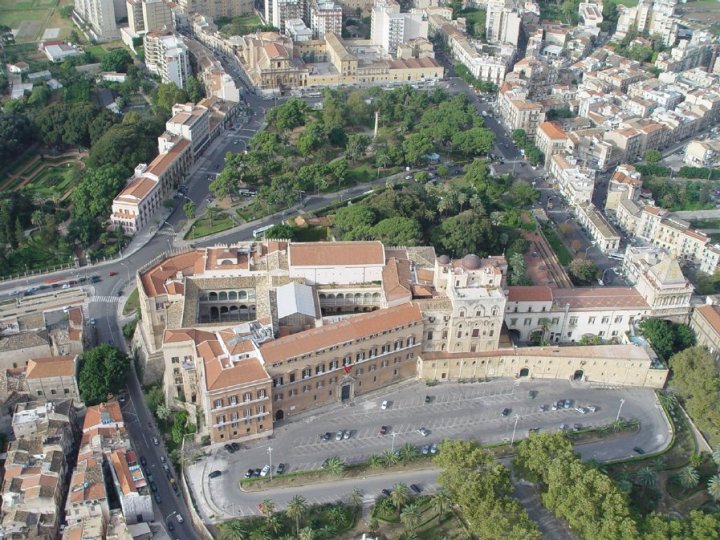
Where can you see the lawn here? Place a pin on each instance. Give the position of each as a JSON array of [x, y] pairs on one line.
[[631, 3], [310, 234], [132, 303], [52, 182], [558, 247], [30, 18], [202, 227], [238, 26]]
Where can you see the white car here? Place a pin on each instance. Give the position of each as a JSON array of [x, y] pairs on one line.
[[384, 405], [265, 471]]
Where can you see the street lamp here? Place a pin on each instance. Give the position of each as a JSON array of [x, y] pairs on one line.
[[269, 451], [392, 448], [588, 249], [512, 440], [617, 418], [127, 269]]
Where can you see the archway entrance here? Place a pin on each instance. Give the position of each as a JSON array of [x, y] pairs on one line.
[[524, 372], [279, 414], [345, 392], [578, 375]]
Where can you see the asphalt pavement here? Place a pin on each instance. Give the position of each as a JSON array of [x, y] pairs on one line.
[[455, 411]]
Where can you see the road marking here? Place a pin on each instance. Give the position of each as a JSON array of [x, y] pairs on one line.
[[105, 299]]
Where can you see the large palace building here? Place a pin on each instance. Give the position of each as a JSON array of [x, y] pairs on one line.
[[250, 334]]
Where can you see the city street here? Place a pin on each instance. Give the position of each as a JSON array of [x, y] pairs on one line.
[[456, 411]]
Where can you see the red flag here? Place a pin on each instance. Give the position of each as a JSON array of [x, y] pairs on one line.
[[347, 369]]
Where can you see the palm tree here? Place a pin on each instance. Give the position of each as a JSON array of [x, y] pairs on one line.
[[410, 516], [337, 517], [373, 525], [441, 500], [408, 452], [689, 477], [356, 497], [400, 496], [295, 509], [389, 457], [716, 455], [307, 534], [375, 461], [669, 400], [646, 477], [267, 507], [334, 465], [714, 487], [233, 530], [659, 463]]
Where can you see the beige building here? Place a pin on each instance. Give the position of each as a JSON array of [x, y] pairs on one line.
[[625, 184], [550, 140], [167, 56], [148, 16], [702, 153], [250, 334], [621, 364], [601, 231], [53, 378], [705, 321], [519, 113]]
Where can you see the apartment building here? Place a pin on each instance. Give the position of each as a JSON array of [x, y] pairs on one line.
[[167, 56], [625, 184], [601, 231], [53, 378], [705, 321], [35, 479], [389, 28], [575, 182], [325, 17], [249, 334], [503, 21], [550, 140], [283, 10], [148, 16], [659, 228], [702, 153], [218, 8], [99, 18]]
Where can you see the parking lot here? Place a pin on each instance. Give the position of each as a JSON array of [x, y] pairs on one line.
[[459, 411]]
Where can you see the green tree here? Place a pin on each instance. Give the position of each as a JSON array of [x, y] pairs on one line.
[[533, 456], [233, 529], [408, 452], [165, 96], [225, 184], [467, 232], [389, 458], [124, 144], [194, 89], [334, 465], [267, 142], [295, 510], [307, 533], [357, 144], [40, 96], [116, 60], [102, 372], [181, 427], [714, 487], [84, 229], [398, 231], [410, 516], [716, 455], [583, 271], [688, 477], [473, 142], [400, 496], [93, 196], [518, 270], [311, 139], [415, 147], [163, 412], [646, 477], [442, 502], [653, 156], [280, 230], [189, 209], [289, 115], [354, 222], [696, 380]]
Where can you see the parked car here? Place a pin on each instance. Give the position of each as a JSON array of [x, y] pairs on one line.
[[235, 446], [265, 471], [326, 436], [415, 488], [157, 498], [162, 459], [111, 274], [428, 399], [384, 405], [215, 474], [170, 526], [250, 473], [155, 441], [638, 450], [143, 461], [425, 450], [433, 448], [339, 435], [229, 448], [423, 431], [347, 434], [592, 408], [386, 492], [153, 487], [581, 410], [567, 404], [383, 430], [280, 468], [179, 518], [256, 472], [506, 411]]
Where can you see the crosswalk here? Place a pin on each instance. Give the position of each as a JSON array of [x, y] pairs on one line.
[[105, 299]]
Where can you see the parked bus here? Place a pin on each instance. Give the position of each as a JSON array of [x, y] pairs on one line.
[[260, 231]]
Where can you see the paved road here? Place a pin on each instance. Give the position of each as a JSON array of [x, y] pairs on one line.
[[467, 411]]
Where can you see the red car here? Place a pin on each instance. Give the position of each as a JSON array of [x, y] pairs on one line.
[[113, 274]]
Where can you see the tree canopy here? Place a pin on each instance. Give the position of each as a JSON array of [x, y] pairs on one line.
[[667, 338], [116, 60], [102, 372], [16, 131]]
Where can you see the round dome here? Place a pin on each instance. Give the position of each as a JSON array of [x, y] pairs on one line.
[[471, 262], [443, 259]]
